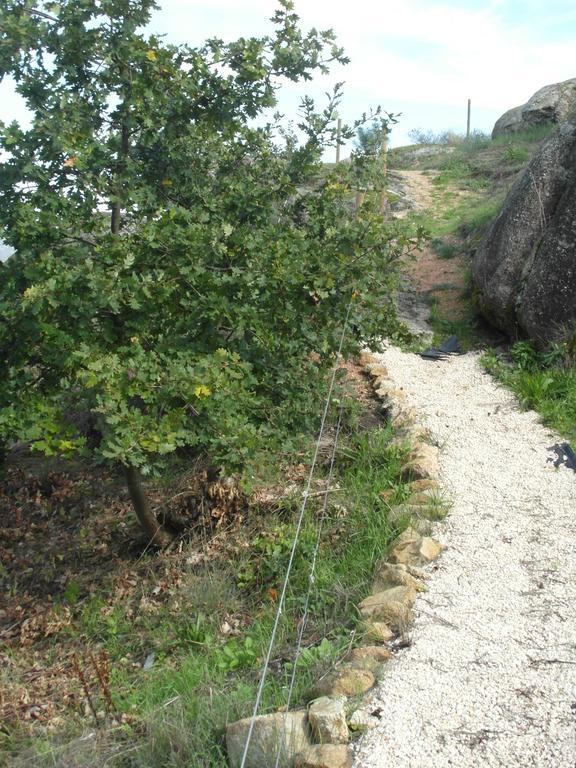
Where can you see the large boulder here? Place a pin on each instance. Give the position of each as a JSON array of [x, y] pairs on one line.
[[509, 122], [551, 104], [525, 268], [284, 731]]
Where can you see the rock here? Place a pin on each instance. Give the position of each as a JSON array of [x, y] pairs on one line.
[[378, 371], [382, 386], [362, 721], [324, 756], [411, 434], [421, 462], [345, 681], [422, 491], [359, 660], [430, 549], [551, 104], [524, 270], [418, 573], [327, 718], [401, 515], [286, 730], [427, 485], [510, 122], [404, 418], [397, 395], [418, 515], [393, 403], [377, 632], [367, 652], [393, 607], [423, 526], [390, 575], [414, 312], [419, 499], [367, 359], [411, 548]]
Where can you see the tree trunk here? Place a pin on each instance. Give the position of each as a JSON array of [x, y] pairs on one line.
[[117, 205], [158, 536]]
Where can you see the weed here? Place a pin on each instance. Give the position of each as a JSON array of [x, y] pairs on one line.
[[236, 654], [444, 249], [516, 154], [525, 356], [174, 711], [542, 380]]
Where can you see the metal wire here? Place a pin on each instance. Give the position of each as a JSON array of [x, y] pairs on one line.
[[294, 544], [311, 580]]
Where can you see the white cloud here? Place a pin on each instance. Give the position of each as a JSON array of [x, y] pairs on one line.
[[427, 53]]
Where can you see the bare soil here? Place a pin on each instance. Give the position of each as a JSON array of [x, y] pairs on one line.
[[431, 275]]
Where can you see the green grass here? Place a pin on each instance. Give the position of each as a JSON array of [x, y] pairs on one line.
[[175, 713], [531, 136], [544, 381], [467, 217], [443, 249]]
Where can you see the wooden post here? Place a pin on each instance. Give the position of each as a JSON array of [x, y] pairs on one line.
[[359, 200], [468, 120], [338, 135], [383, 196]]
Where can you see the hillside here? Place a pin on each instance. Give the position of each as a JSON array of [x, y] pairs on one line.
[[125, 647], [464, 186], [454, 190]]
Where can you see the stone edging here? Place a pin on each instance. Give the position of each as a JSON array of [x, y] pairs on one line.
[[318, 737]]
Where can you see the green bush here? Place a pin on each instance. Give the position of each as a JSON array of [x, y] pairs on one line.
[[180, 278]]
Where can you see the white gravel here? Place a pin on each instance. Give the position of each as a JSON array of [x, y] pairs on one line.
[[490, 677]]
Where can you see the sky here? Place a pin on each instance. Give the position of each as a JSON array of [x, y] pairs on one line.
[[421, 58]]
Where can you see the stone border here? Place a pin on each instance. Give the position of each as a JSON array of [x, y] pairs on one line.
[[318, 737]]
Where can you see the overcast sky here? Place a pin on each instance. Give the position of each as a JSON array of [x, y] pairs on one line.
[[421, 58], [418, 57]]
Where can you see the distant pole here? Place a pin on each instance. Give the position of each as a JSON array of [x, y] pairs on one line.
[[338, 135], [468, 121], [383, 200]]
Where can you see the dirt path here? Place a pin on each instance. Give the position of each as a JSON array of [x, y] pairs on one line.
[[430, 276], [418, 186], [490, 679]]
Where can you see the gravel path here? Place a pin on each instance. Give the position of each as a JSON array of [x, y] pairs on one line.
[[490, 678]]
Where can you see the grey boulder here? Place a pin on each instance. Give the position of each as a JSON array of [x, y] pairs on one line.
[[524, 271], [551, 104]]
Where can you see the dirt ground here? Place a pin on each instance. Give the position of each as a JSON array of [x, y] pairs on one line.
[[431, 275], [74, 565]]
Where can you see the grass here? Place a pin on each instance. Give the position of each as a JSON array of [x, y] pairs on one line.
[[542, 380], [205, 635], [471, 180]]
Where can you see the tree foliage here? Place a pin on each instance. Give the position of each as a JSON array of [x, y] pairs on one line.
[[370, 139], [175, 264]]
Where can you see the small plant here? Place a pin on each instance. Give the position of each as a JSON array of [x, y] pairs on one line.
[[555, 355], [516, 154], [269, 555], [443, 249], [72, 592], [542, 380], [237, 654], [525, 356], [195, 633]]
